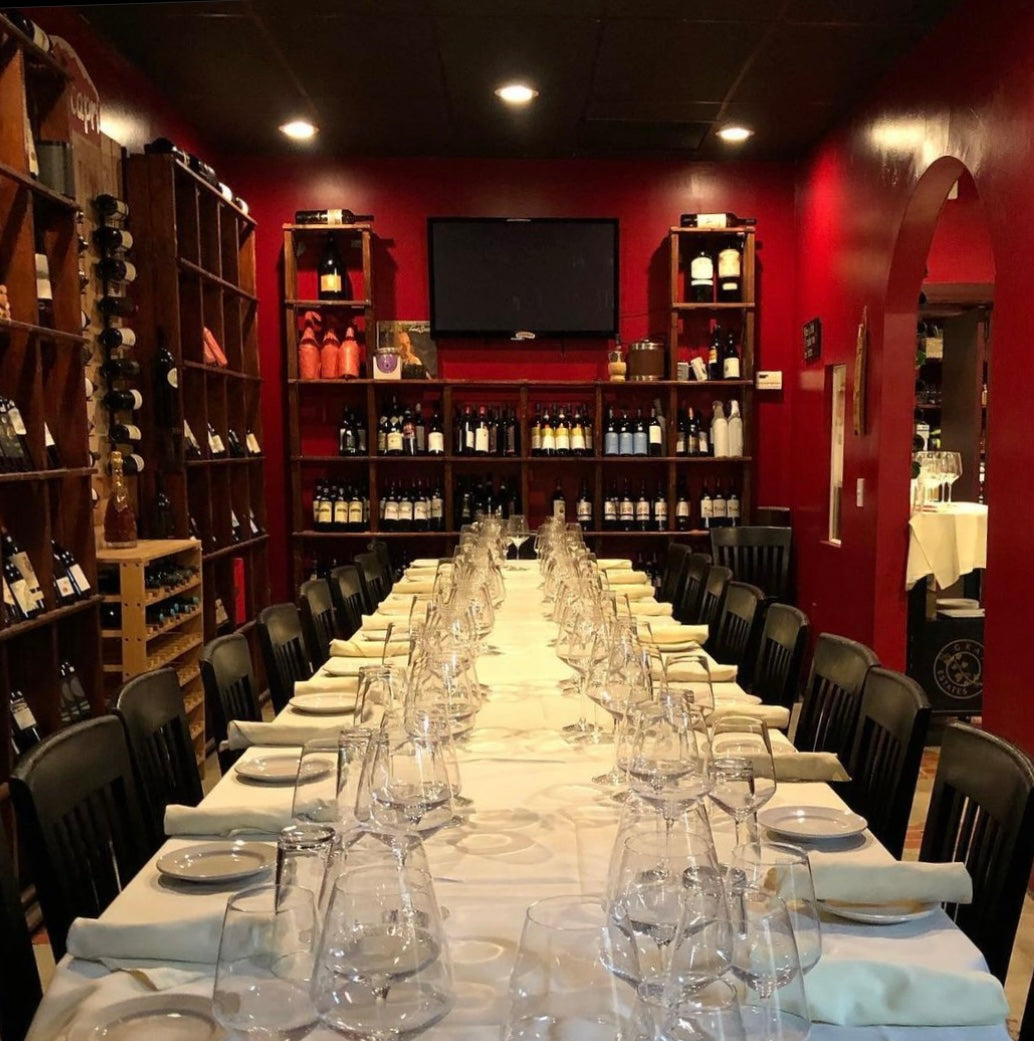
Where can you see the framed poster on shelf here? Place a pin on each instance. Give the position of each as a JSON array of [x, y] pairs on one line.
[[414, 343]]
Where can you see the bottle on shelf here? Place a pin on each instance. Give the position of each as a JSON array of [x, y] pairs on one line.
[[234, 445], [121, 368], [659, 509], [116, 306], [732, 508], [132, 464], [251, 442], [163, 523], [254, 527], [75, 706], [730, 275], [124, 434], [109, 239], [682, 510], [333, 278], [611, 444], [535, 432], [50, 449], [719, 511], [655, 434], [110, 207], [735, 430], [166, 384], [512, 435], [626, 435], [640, 435], [119, 519], [702, 437], [419, 431], [421, 509], [331, 216], [626, 510], [14, 437], [13, 552], [191, 447], [715, 220], [548, 445], [322, 509], [714, 350], [719, 432], [19, 604], [236, 532], [681, 433], [642, 509], [123, 400], [436, 435], [44, 288], [24, 730], [701, 277], [583, 507], [562, 433], [610, 510], [437, 509], [116, 269], [706, 507], [558, 504], [216, 446], [731, 367]]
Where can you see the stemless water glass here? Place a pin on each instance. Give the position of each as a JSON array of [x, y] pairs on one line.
[[303, 851], [742, 769], [264, 966], [381, 687], [710, 1012], [319, 782]]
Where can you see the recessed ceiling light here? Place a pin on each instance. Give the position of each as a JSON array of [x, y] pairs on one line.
[[517, 93], [299, 130], [735, 134]]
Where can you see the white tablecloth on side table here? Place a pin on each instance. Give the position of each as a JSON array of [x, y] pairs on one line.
[[946, 543]]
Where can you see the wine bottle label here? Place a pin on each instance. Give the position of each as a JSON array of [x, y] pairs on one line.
[[660, 512], [731, 368], [610, 443], [610, 510], [405, 510], [536, 438], [132, 432], [642, 510], [138, 400], [559, 509], [340, 514], [391, 510], [23, 717], [25, 601], [706, 508], [718, 508], [336, 217], [655, 435], [43, 288], [626, 443], [682, 510], [640, 443], [732, 509], [420, 510], [563, 439], [215, 444], [130, 273], [548, 440], [729, 264], [437, 508], [80, 579], [702, 448], [481, 440], [324, 512], [578, 439], [626, 511], [701, 269], [64, 586], [436, 442], [330, 283], [48, 438], [468, 439], [252, 442], [393, 442], [16, 420], [355, 512], [680, 443], [128, 337]]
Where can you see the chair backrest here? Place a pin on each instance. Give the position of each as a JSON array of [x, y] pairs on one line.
[[718, 578], [151, 707], [759, 555], [80, 820], [730, 640], [674, 578], [833, 695], [370, 568], [688, 606], [380, 550], [20, 990], [982, 813], [283, 651], [319, 622], [346, 590], [230, 690], [888, 749], [776, 675]]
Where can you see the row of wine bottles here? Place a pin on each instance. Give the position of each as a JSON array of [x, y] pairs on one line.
[[15, 455], [176, 608], [23, 597], [165, 573], [232, 446], [74, 707]]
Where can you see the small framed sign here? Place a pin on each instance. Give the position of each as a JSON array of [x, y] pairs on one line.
[[812, 340]]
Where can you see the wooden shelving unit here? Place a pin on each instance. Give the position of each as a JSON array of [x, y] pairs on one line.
[[314, 408], [137, 646], [195, 258], [42, 371]]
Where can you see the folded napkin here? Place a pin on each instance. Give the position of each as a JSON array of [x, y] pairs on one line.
[[431, 562], [338, 667], [852, 988], [662, 635], [281, 734], [773, 715], [409, 586], [842, 878], [229, 821], [634, 592], [649, 608], [378, 623], [627, 578], [367, 649], [320, 684], [809, 766], [614, 564], [695, 672]]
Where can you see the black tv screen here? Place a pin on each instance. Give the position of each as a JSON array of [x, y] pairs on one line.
[[498, 276]]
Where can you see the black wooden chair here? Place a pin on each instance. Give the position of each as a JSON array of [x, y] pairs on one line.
[[982, 813], [733, 635], [833, 695], [757, 555], [674, 578], [346, 590], [81, 822], [380, 550], [718, 578], [230, 690], [283, 651], [688, 606], [370, 568], [151, 707], [20, 990], [776, 674], [319, 621], [888, 748]]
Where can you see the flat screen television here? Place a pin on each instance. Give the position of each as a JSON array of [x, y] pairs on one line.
[[500, 276]]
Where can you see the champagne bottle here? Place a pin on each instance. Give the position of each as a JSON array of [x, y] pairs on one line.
[[333, 278], [119, 519]]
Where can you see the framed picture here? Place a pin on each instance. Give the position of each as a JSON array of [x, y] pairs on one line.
[[413, 340]]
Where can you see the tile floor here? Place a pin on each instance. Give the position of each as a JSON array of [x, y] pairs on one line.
[[1020, 967]]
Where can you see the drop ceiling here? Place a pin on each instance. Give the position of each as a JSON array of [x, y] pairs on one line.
[[616, 77]]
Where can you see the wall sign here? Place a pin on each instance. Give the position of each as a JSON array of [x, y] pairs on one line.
[[812, 340], [83, 99]]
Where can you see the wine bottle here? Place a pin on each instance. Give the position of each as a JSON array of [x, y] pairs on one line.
[[342, 216], [626, 510], [163, 524], [116, 269], [681, 434], [216, 447], [120, 368], [714, 350], [16, 441], [610, 511], [28, 28], [512, 435], [356, 510], [119, 519], [346, 442], [719, 513], [64, 591], [191, 447], [322, 509], [659, 519], [75, 706], [640, 435], [405, 510], [731, 358], [655, 435], [682, 510], [419, 431], [701, 277], [234, 445], [732, 508], [132, 464], [436, 435], [408, 433], [163, 146], [24, 729], [706, 507], [548, 445], [558, 508], [562, 435], [251, 442], [117, 336], [735, 430], [236, 533], [253, 524], [583, 508], [18, 601], [44, 289], [610, 435], [111, 207], [642, 509], [715, 220], [51, 450], [481, 439], [535, 435], [116, 307], [124, 433], [166, 384], [577, 432], [333, 279], [719, 432], [12, 551], [436, 509], [123, 400], [109, 239], [730, 283]]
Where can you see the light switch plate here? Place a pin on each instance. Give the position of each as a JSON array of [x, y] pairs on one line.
[[770, 379]]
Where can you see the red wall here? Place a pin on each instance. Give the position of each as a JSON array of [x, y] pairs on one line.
[[966, 93], [646, 197], [961, 247]]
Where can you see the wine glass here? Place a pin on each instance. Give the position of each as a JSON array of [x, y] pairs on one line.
[[951, 470], [742, 770], [517, 532], [382, 966], [561, 986], [710, 1012], [784, 870], [765, 959], [617, 684], [264, 966]]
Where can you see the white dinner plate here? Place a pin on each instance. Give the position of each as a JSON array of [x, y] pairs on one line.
[[277, 769], [323, 704], [891, 913], [216, 861], [345, 666], [812, 822], [157, 1017]]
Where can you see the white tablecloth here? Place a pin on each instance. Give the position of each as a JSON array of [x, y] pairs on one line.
[[538, 828], [946, 543]]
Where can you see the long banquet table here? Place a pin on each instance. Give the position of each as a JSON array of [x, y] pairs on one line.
[[538, 828]]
